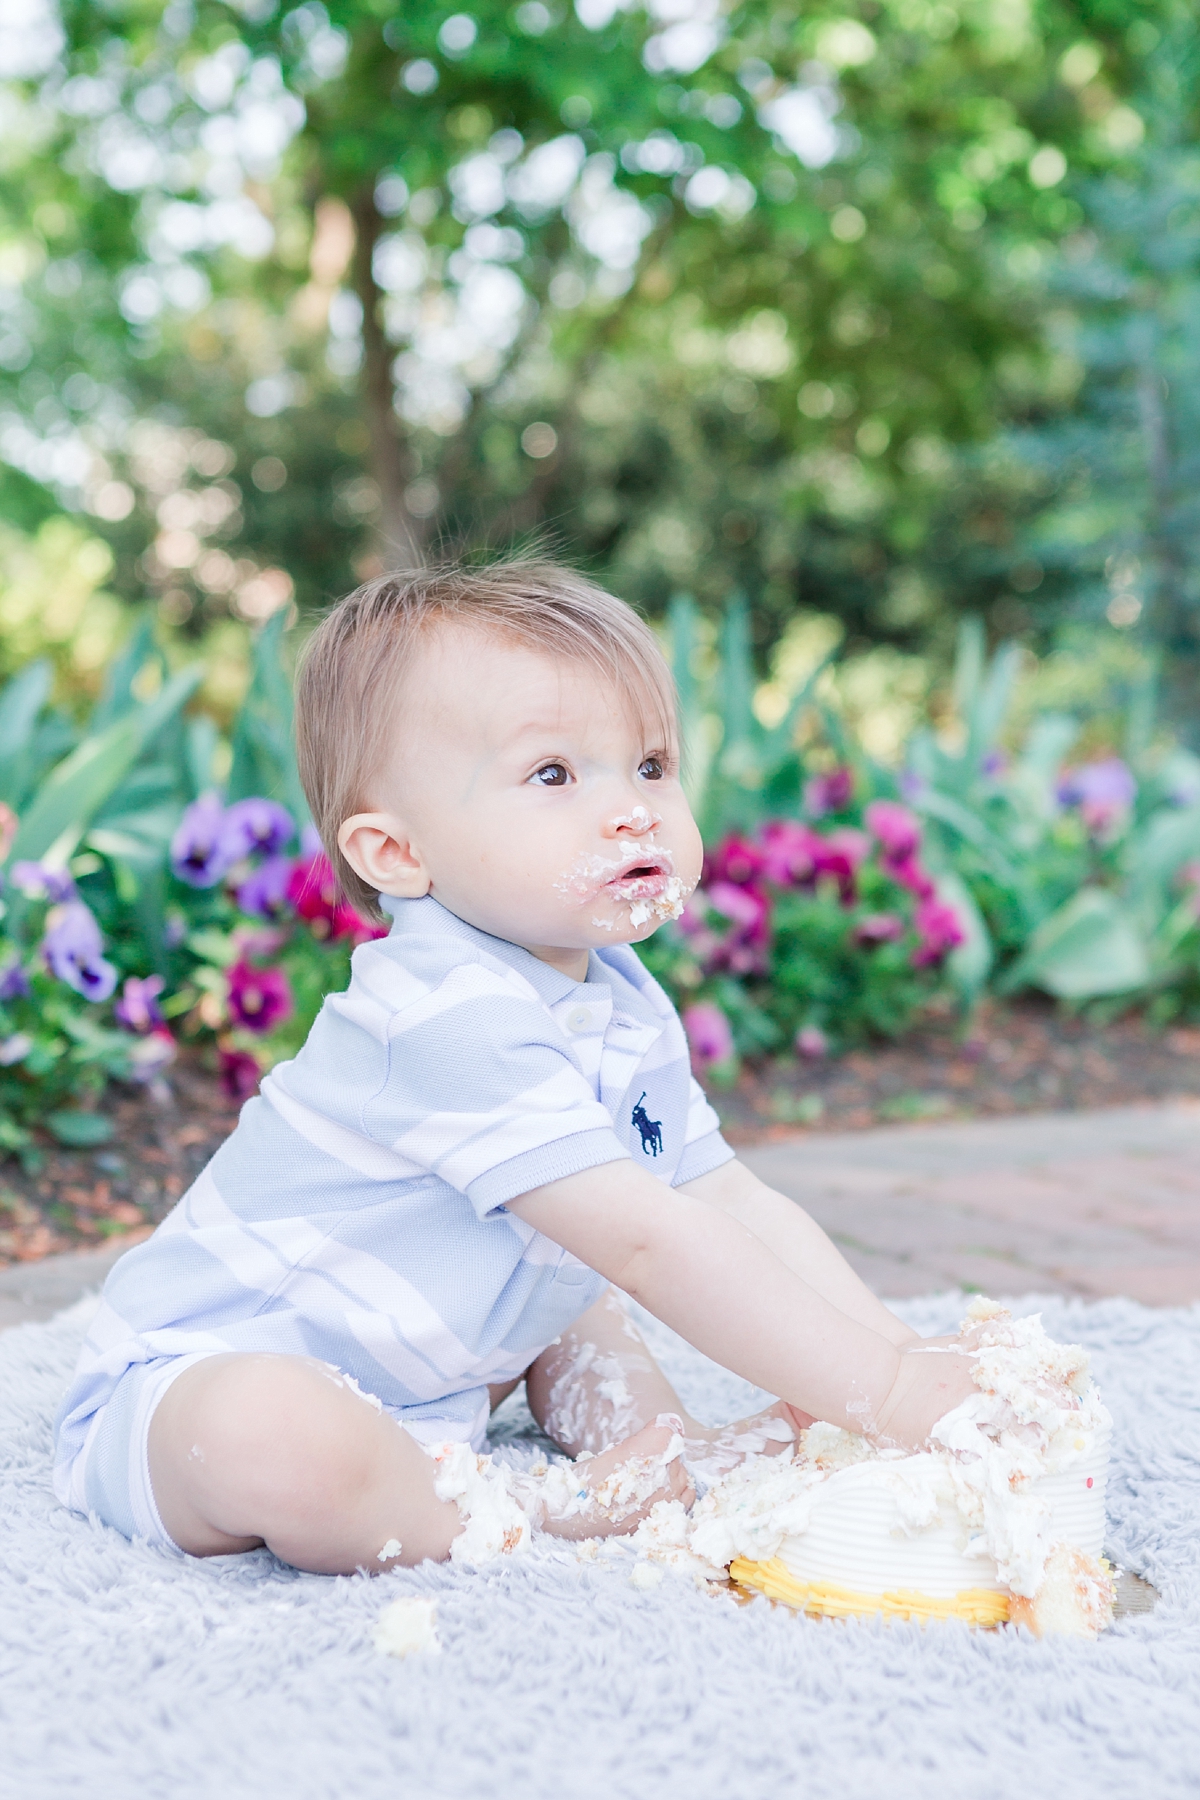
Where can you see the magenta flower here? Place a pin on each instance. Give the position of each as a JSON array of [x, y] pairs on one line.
[[879, 928], [789, 851], [939, 930], [239, 1073], [72, 947], [259, 999], [264, 893], [743, 949], [709, 1034], [197, 856], [250, 825], [909, 873], [897, 830], [138, 1009], [840, 856], [812, 1042], [735, 859], [828, 793]]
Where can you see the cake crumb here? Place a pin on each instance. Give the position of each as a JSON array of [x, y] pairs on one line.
[[407, 1626]]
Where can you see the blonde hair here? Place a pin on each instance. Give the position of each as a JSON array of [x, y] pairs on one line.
[[352, 666]]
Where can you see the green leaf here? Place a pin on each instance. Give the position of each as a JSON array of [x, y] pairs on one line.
[[1090, 946], [20, 703], [84, 781], [79, 1129], [971, 963]]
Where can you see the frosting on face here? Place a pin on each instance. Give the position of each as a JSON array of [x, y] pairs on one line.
[[641, 877]]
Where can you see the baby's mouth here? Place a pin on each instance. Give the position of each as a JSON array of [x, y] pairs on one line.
[[643, 877]]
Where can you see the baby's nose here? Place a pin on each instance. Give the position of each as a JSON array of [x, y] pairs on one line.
[[638, 823]]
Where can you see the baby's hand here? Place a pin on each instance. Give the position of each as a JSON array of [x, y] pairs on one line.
[[934, 1377], [618, 1488]]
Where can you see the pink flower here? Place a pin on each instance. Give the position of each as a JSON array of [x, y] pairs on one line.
[[709, 1034], [908, 873], [841, 855], [812, 1042], [897, 829], [879, 928], [735, 859], [828, 793], [259, 999], [742, 950], [313, 890], [940, 931], [239, 1074], [789, 851]]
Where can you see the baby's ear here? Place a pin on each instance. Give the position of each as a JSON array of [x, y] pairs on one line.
[[378, 847]]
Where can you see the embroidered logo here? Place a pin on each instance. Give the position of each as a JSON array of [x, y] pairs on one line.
[[650, 1129]]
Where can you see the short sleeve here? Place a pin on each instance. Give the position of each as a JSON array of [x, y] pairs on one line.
[[704, 1148], [482, 1091]]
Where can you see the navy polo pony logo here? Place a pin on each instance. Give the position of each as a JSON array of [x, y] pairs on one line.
[[650, 1129]]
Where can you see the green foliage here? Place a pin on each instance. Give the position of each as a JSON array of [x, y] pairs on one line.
[[779, 311]]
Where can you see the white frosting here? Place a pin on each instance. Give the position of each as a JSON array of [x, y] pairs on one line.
[[1006, 1479]]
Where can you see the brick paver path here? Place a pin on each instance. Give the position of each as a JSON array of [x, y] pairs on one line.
[[1069, 1203]]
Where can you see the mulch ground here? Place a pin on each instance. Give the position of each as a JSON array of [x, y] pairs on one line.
[[1025, 1058]]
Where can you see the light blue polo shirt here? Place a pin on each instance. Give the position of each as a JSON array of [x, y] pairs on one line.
[[357, 1213]]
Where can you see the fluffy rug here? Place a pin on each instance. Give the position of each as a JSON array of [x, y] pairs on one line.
[[127, 1673]]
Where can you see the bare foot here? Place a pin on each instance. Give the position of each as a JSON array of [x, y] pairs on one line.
[[712, 1450], [609, 1495]]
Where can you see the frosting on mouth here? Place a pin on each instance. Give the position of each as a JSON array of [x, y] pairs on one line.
[[643, 879]]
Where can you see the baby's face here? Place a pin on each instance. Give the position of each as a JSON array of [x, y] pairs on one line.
[[538, 810]]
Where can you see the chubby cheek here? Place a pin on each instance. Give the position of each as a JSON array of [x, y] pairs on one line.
[[687, 848]]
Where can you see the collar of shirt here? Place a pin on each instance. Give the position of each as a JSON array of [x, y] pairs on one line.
[[609, 1041]]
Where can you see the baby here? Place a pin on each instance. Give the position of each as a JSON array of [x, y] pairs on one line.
[[489, 1138]]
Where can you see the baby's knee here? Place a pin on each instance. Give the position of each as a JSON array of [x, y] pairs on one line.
[[284, 1427]]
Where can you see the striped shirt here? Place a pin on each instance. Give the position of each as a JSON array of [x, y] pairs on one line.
[[357, 1213]]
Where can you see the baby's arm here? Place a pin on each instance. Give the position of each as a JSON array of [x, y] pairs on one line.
[[798, 1241], [708, 1275]]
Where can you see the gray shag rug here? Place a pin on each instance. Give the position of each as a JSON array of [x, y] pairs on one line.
[[127, 1673]]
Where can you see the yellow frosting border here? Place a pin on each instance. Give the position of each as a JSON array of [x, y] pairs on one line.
[[978, 1606]]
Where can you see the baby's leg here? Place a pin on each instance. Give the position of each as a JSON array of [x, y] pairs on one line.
[[253, 1449], [599, 1385]]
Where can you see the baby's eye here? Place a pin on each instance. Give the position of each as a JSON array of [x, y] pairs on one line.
[[652, 769], [552, 775]]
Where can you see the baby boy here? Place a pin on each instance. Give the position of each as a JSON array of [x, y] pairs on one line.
[[487, 1139]]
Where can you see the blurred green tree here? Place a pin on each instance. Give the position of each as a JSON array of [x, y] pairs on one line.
[[717, 296]]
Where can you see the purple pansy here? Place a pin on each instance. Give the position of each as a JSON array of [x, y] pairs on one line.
[[14, 983], [197, 856], [40, 883], [72, 947], [138, 1008], [1103, 791], [812, 1042], [264, 893], [250, 825], [708, 1033]]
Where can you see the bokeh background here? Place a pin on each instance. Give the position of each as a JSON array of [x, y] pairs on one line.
[[856, 342]]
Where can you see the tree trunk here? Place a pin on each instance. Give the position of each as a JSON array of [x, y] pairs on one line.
[[400, 535]]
